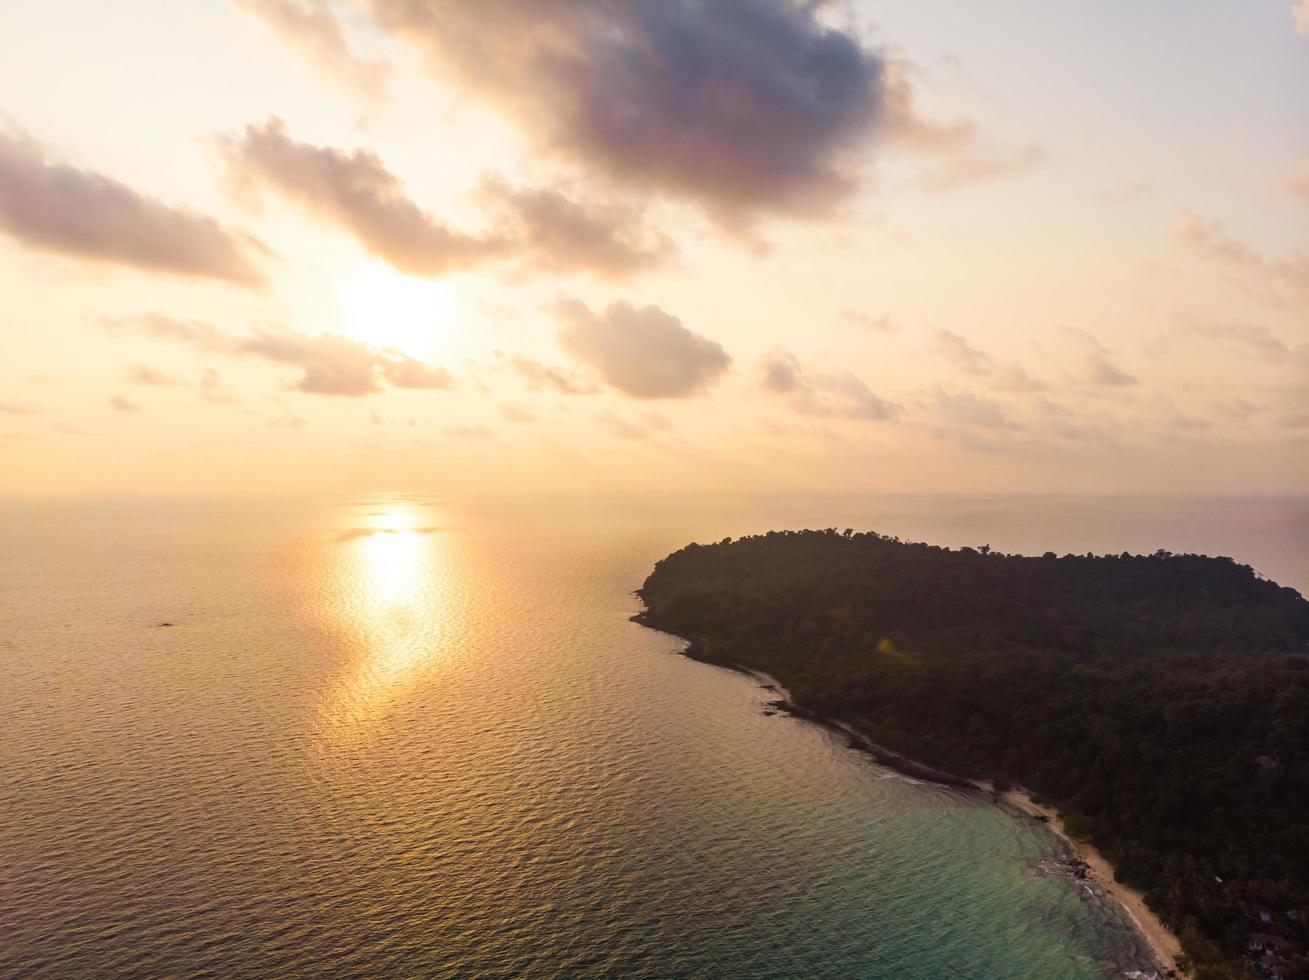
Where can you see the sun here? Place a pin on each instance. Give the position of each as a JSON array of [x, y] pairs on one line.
[[385, 308]]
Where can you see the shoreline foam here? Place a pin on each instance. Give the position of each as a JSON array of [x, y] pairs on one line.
[[1162, 941]]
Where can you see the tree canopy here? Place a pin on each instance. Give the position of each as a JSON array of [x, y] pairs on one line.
[[1161, 701]]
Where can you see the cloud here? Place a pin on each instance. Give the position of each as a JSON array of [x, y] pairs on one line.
[[1300, 12], [335, 365], [959, 352], [967, 169], [1249, 336], [120, 404], [1059, 421], [211, 388], [1211, 240], [313, 30], [142, 374], [402, 371], [17, 408], [1101, 371], [1127, 191], [538, 376], [645, 353], [969, 359], [970, 410], [618, 427], [1239, 409], [516, 413], [330, 364], [963, 155], [469, 432], [880, 324], [559, 233], [745, 106], [357, 192], [160, 326], [657, 421], [56, 207], [1298, 184], [836, 395], [1097, 367]]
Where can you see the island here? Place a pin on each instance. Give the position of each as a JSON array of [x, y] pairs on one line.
[[1155, 708]]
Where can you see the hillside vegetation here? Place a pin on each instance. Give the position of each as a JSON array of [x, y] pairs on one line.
[[1160, 701]]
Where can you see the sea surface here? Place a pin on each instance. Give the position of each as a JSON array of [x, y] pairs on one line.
[[403, 735]]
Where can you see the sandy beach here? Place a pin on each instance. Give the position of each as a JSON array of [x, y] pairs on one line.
[[1163, 942]]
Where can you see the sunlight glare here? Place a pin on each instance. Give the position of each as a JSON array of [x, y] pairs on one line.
[[391, 599], [385, 308]]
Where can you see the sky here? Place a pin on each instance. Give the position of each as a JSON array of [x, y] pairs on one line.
[[559, 246]]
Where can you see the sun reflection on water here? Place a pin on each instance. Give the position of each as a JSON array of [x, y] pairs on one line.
[[389, 597]]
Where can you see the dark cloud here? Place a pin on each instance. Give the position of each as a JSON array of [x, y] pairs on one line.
[[543, 376], [743, 105], [645, 353], [543, 228], [560, 233], [120, 404], [356, 191], [312, 29], [143, 374], [55, 207], [837, 394]]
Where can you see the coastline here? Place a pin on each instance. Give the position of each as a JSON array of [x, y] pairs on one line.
[[1162, 942]]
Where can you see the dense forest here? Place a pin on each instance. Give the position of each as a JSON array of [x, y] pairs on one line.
[[1160, 701]]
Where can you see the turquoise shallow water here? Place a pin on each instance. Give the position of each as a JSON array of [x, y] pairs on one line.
[[404, 736]]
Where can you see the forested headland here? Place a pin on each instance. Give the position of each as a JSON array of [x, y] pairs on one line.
[[1160, 701]]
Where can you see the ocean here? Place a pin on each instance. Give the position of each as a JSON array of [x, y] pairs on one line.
[[405, 735]]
